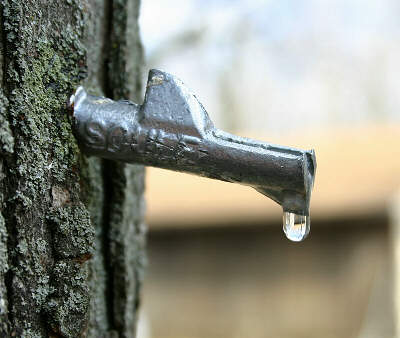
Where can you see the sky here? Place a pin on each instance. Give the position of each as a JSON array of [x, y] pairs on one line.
[[277, 66]]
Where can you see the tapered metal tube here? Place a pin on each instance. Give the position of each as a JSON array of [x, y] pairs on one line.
[[172, 130]]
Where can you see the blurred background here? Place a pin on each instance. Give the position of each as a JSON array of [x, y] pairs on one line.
[[320, 74]]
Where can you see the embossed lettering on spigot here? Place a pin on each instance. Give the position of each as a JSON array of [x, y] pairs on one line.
[[96, 135], [172, 130]]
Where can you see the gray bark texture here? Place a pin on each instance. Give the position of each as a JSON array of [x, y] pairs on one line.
[[71, 228]]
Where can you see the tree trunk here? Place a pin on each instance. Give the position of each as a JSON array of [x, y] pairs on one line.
[[71, 227]]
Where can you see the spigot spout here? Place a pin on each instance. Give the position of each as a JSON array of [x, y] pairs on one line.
[[172, 130]]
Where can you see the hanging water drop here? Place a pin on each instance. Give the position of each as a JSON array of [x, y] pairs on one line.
[[296, 227]]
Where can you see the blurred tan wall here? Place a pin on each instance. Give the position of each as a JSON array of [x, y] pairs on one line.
[[252, 282]]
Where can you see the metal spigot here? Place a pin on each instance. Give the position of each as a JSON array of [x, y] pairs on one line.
[[172, 130]]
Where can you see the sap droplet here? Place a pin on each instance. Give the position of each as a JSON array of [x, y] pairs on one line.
[[296, 227]]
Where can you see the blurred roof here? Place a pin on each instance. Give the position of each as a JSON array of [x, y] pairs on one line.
[[358, 171]]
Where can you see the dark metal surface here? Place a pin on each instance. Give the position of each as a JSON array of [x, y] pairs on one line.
[[172, 130]]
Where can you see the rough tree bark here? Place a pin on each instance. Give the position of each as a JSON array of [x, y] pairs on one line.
[[71, 228]]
